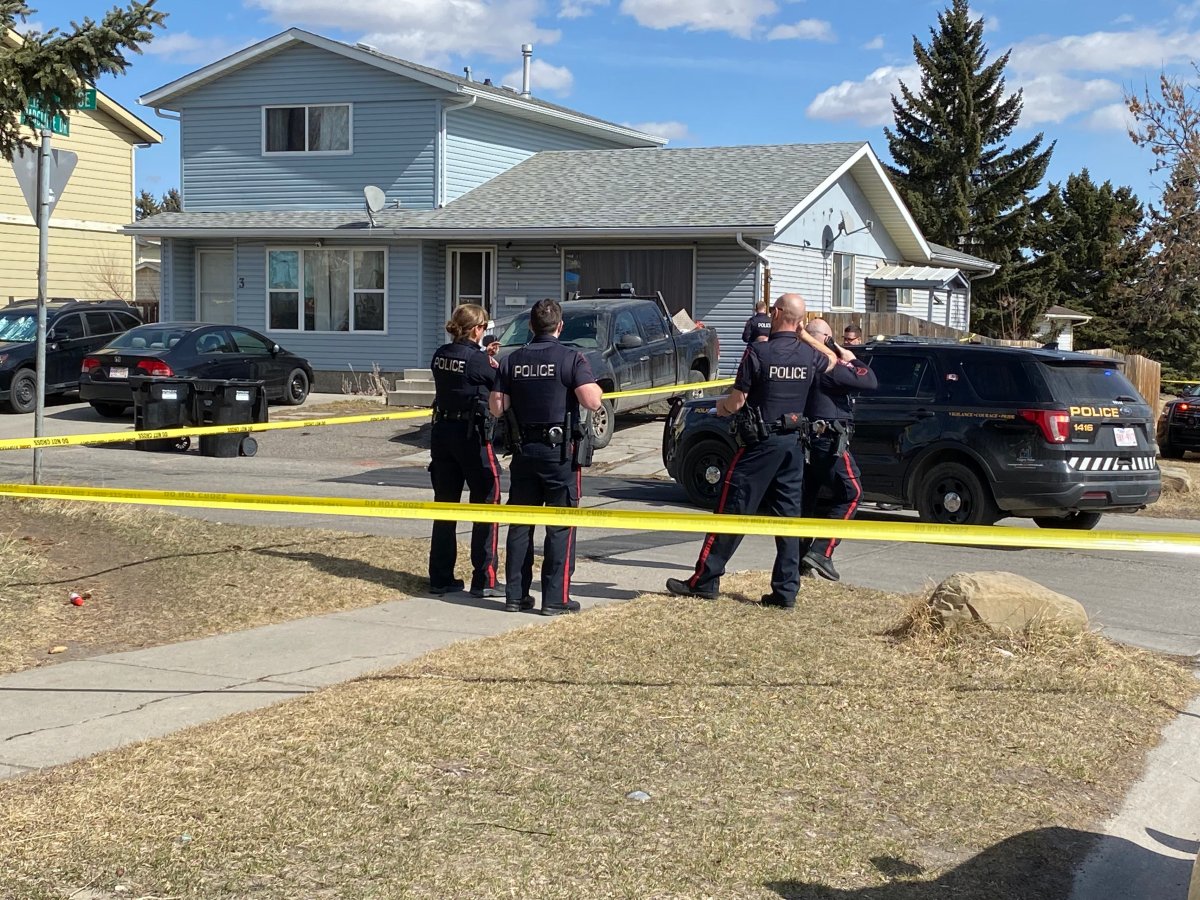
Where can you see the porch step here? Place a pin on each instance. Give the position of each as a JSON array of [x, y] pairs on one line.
[[412, 393], [414, 375]]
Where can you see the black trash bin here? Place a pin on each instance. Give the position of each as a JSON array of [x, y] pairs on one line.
[[160, 403], [228, 403]]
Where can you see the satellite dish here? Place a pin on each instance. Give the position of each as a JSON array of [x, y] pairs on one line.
[[847, 222], [376, 199]]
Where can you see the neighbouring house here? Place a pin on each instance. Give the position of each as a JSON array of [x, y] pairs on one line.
[[147, 276], [497, 197], [90, 257], [1057, 325]]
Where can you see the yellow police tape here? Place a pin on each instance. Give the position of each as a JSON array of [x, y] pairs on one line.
[[632, 520], [121, 437]]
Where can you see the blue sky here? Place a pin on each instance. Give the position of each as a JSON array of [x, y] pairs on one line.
[[715, 72]]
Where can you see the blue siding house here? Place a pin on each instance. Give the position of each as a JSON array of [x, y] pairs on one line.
[[497, 197]]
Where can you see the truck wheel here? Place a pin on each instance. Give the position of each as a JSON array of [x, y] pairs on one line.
[[695, 376], [603, 421], [23, 398], [952, 494], [702, 473], [1078, 520]]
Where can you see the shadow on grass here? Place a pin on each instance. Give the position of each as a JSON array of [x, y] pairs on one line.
[[392, 579], [1035, 865]]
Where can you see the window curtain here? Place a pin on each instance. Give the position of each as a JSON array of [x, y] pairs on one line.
[[669, 271], [328, 128]]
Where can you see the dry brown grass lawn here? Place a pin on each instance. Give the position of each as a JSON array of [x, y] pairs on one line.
[[806, 755], [1179, 506], [157, 577], [358, 406]]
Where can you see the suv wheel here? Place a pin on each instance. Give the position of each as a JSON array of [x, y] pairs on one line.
[[702, 472], [23, 396], [952, 494], [1170, 451], [1078, 520]]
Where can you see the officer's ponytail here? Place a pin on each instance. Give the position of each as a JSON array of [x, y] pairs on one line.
[[465, 319]]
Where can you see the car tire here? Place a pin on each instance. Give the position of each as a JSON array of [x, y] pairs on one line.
[[23, 394], [109, 410], [604, 421], [296, 387], [1170, 451], [702, 471], [1079, 520], [952, 494]]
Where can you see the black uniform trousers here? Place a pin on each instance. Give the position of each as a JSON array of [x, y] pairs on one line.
[[458, 458], [769, 477], [832, 489], [540, 477]]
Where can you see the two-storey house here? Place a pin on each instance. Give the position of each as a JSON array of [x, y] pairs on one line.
[[497, 197], [90, 257]]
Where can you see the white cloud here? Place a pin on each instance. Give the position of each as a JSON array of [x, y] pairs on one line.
[[875, 43], [428, 31], [991, 25], [543, 78], [30, 26], [1055, 97], [804, 30], [867, 102], [187, 49], [1113, 117], [738, 17], [1104, 51], [672, 131], [1124, 19], [576, 9]]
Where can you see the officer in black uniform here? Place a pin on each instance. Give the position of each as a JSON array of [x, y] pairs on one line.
[[773, 382], [541, 386], [832, 483], [462, 452], [758, 326]]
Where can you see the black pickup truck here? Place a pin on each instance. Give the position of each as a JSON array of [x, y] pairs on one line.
[[631, 343]]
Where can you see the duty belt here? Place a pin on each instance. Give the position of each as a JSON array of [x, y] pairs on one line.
[[460, 416], [818, 427], [543, 434], [788, 423]]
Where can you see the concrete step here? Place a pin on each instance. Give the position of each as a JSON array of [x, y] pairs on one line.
[[407, 396], [416, 375]]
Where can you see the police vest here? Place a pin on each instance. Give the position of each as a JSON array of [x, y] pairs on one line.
[[462, 375], [540, 380], [777, 374]]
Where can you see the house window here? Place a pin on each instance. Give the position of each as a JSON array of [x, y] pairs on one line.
[[904, 297], [666, 269], [306, 129], [843, 281], [326, 290]]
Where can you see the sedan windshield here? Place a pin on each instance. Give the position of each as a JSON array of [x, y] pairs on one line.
[[17, 328]]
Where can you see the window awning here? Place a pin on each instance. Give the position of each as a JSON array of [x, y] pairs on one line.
[[915, 277]]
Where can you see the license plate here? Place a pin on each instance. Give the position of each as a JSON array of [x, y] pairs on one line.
[[118, 372], [1125, 437], [170, 394]]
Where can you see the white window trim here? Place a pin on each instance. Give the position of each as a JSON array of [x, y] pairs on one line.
[[565, 248], [835, 286], [451, 251], [900, 293], [306, 107], [300, 290]]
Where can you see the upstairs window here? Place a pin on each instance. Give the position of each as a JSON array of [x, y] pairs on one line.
[[843, 281], [306, 129]]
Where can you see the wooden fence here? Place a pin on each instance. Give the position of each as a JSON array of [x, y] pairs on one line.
[[1146, 374]]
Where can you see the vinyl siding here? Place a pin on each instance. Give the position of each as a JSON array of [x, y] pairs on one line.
[[432, 310], [394, 122], [83, 264], [480, 144], [725, 295], [820, 222], [540, 276], [182, 280]]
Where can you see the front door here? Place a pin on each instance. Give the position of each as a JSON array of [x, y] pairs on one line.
[[471, 274], [214, 287]]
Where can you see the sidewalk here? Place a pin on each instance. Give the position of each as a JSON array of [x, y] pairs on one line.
[[56, 714]]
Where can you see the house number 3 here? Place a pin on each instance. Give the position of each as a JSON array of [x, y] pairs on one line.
[[241, 282]]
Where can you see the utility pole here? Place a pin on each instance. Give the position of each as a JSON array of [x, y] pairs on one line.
[[43, 205]]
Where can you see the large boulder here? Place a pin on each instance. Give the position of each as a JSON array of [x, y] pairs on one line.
[[1175, 480], [1003, 600]]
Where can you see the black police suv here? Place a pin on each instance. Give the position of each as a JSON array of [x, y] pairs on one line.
[[74, 328], [1179, 425], [190, 349], [967, 434]]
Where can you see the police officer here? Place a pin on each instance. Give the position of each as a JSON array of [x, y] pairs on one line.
[[543, 384], [758, 326], [773, 380], [831, 469], [462, 452]]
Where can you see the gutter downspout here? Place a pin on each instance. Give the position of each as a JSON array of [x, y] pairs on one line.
[[162, 115], [766, 264], [441, 177]]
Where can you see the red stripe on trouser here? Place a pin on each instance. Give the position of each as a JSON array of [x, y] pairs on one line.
[[571, 541], [495, 540], [846, 461], [708, 541]]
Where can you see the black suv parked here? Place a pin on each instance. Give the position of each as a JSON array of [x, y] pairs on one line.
[[967, 434], [74, 328], [1179, 427]]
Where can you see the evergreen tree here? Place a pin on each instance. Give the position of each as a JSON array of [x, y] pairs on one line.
[[147, 206], [54, 68], [966, 189]]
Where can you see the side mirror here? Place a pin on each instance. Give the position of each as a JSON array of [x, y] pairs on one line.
[[275, 350], [630, 341]]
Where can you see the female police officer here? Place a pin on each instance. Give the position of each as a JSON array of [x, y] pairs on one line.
[[462, 451]]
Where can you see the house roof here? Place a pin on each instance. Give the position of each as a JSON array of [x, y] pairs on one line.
[[486, 95], [914, 277], [104, 103], [1061, 312], [960, 260]]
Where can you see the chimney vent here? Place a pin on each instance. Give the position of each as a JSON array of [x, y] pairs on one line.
[[467, 72], [527, 58]]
